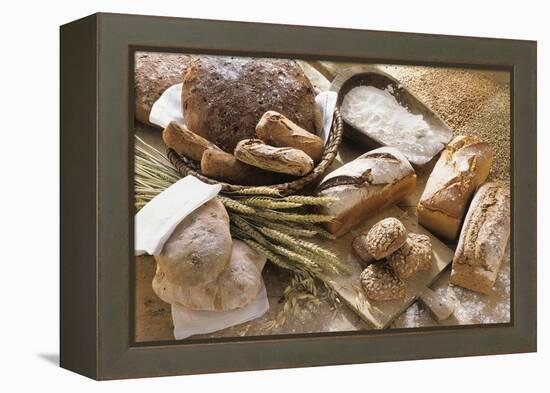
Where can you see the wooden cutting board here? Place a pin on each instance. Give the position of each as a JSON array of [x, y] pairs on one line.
[[380, 314]]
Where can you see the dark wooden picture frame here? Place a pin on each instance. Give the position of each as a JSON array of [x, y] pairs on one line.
[[96, 143]]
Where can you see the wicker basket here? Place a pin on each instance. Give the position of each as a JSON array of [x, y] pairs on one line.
[[186, 166]]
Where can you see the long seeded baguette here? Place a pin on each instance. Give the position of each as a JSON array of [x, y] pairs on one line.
[[483, 239], [463, 165]]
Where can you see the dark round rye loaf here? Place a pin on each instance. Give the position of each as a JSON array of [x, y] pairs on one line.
[[224, 97]]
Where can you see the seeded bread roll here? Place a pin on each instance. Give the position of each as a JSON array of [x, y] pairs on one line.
[[414, 255], [461, 168], [154, 73], [364, 186], [381, 240], [380, 283], [483, 239], [224, 97]]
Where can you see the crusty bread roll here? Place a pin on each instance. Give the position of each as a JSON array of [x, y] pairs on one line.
[[483, 239], [223, 98], [185, 261], [275, 159], [223, 166], [380, 283], [154, 73], [364, 186], [277, 130], [186, 142], [414, 255], [463, 165]]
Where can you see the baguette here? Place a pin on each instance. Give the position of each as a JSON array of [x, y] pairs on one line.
[[364, 186], [462, 167], [275, 159], [483, 239], [223, 166], [186, 142], [277, 130]]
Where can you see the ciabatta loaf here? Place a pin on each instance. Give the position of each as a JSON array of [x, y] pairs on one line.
[[483, 239], [364, 186], [462, 167]]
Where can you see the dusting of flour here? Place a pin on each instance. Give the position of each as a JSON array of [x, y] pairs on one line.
[[378, 113]]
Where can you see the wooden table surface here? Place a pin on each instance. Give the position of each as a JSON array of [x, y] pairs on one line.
[[153, 320]]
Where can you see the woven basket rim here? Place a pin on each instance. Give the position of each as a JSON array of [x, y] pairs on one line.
[[186, 166]]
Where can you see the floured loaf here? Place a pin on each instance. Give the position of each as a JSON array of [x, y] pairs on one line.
[[364, 186]]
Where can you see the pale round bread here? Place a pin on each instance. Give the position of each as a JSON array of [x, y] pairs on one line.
[[196, 253], [236, 286]]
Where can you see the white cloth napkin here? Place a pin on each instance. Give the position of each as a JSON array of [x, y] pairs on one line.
[[168, 108], [156, 221], [190, 322]]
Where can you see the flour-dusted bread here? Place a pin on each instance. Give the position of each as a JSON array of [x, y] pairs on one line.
[[196, 253], [462, 167], [364, 186], [154, 73], [483, 239], [223, 98]]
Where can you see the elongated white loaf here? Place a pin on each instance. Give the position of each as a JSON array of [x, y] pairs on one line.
[[461, 168], [373, 181], [483, 239]]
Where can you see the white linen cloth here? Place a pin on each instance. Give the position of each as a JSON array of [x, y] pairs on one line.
[[168, 108], [156, 221], [190, 322]]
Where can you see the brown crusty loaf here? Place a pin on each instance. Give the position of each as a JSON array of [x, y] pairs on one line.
[[276, 130], [364, 186], [185, 142], [223, 98], [223, 166], [483, 239], [463, 165], [154, 73], [275, 159]]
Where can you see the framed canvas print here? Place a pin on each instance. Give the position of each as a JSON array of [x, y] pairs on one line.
[[240, 196]]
